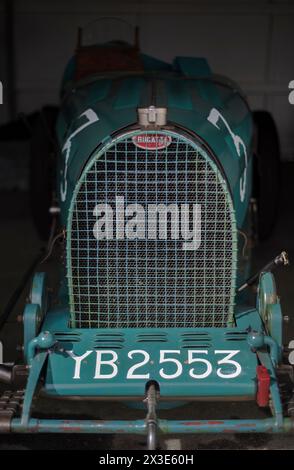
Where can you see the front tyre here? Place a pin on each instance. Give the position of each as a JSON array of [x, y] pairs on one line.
[[42, 168], [267, 173]]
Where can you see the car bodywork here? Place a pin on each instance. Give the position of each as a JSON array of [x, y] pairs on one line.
[[162, 347]]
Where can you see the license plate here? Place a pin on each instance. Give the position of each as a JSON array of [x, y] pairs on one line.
[[166, 364]]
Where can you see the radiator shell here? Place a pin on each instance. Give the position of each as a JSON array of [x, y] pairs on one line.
[[148, 281]]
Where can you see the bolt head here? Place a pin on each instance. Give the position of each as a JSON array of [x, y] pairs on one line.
[[255, 339], [45, 340]]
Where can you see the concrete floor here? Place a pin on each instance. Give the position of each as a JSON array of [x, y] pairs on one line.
[[19, 244]]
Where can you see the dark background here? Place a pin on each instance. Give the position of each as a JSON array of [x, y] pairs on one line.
[[251, 41]]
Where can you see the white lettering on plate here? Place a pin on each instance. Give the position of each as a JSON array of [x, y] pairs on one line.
[[196, 364]]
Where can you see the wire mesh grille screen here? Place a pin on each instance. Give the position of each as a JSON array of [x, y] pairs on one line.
[[139, 275]]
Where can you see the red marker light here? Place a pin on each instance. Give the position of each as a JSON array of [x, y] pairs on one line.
[[263, 386]]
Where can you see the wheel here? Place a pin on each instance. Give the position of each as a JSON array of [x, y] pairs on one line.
[[42, 166], [267, 173]]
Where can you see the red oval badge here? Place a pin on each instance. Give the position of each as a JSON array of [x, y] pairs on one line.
[[152, 141]]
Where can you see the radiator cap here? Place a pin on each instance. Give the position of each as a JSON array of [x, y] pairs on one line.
[[152, 116]]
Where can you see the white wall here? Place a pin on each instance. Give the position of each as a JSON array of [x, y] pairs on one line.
[[251, 41]]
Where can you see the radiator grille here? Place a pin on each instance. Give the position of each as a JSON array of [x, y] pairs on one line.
[[145, 282]]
